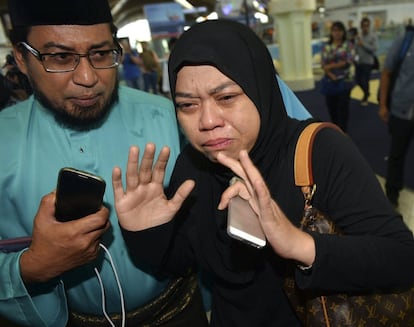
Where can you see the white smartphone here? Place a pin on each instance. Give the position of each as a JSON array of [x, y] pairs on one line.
[[243, 223]]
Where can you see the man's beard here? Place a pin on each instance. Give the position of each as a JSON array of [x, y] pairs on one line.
[[81, 121]]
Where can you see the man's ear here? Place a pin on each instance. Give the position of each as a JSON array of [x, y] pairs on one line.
[[18, 56]]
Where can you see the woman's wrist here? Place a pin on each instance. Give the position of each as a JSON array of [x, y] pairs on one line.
[[304, 251]]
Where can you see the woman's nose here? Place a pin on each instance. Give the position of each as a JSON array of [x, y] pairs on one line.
[[211, 116]]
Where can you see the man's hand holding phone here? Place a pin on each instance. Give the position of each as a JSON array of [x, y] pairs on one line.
[[58, 247]]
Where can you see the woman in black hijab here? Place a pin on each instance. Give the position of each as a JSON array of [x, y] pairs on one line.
[[230, 108]]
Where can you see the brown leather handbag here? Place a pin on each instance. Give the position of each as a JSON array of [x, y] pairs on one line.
[[338, 310]]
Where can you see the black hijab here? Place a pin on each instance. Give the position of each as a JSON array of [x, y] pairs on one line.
[[238, 53]]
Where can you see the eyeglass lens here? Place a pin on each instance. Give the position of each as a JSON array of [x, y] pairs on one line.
[[69, 61]]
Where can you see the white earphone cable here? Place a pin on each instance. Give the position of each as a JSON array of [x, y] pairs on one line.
[[103, 290]]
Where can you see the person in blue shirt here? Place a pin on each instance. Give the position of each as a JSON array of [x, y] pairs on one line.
[[131, 65], [366, 45], [396, 109], [78, 117]]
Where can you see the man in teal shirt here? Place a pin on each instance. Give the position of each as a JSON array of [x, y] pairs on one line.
[[78, 117]]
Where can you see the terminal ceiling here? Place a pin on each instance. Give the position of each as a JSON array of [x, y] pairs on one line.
[[127, 11]]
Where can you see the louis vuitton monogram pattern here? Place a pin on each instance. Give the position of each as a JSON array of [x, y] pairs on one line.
[[379, 309]]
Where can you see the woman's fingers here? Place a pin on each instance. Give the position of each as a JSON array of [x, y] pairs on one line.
[[258, 193], [117, 183], [158, 172], [237, 168], [145, 168], [231, 163], [181, 194], [262, 194], [132, 168], [145, 172], [252, 173], [236, 189]]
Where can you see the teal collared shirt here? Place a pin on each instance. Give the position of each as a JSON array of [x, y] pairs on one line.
[[34, 147]]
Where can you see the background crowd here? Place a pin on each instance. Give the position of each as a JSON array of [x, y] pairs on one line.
[[234, 111], [14, 85]]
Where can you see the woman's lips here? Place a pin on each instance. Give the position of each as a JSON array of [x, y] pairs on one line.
[[217, 144]]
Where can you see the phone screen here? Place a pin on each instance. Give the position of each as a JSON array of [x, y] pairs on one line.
[[78, 194], [243, 223]]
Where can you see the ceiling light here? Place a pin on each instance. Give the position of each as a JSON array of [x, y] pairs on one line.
[[185, 4], [212, 16], [264, 19]]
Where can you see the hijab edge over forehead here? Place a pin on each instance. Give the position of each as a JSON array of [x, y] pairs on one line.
[[236, 51], [230, 47]]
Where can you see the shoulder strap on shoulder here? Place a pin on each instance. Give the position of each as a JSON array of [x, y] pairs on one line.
[[408, 38], [303, 153]]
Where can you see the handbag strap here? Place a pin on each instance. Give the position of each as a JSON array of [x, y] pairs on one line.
[[405, 45], [304, 178], [303, 154]]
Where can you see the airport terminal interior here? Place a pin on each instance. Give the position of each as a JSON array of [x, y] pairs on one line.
[[135, 20], [297, 56]]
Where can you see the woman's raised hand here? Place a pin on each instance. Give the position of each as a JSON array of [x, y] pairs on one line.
[[143, 203], [286, 239]]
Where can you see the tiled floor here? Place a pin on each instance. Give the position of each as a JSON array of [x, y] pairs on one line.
[[406, 200], [406, 205]]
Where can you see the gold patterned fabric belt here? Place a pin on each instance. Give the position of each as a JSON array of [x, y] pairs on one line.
[[165, 307]]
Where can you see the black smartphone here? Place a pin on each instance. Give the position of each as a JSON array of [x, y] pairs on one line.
[[243, 223], [78, 194]]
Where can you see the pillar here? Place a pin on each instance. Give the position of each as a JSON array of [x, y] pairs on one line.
[[293, 26]]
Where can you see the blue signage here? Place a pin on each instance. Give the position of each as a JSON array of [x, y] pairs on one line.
[[165, 19]]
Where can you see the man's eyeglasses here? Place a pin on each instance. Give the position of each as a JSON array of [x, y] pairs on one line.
[[61, 62]]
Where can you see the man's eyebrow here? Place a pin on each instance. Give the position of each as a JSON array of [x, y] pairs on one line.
[[50, 45]]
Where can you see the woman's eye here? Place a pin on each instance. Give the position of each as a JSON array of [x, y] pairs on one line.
[[185, 106], [227, 98]]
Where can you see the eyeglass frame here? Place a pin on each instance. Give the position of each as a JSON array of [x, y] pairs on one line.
[[39, 56]]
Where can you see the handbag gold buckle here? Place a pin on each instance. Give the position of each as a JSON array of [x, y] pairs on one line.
[[308, 192]]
